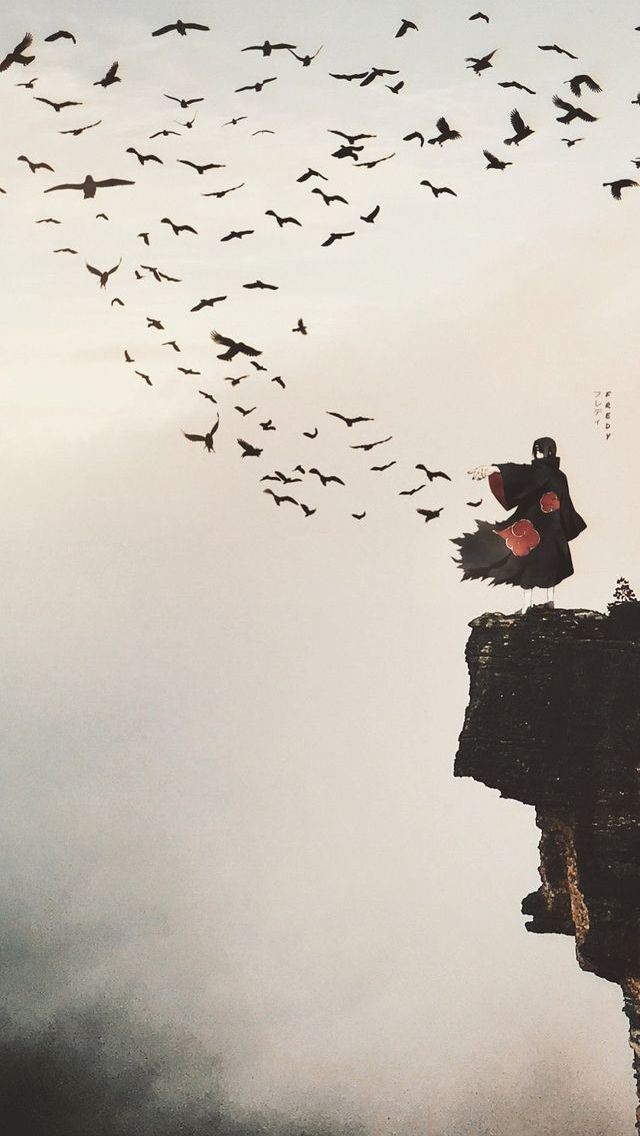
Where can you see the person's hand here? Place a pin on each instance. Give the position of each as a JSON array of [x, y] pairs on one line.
[[481, 471]]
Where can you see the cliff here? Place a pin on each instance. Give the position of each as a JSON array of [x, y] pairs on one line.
[[553, 720]]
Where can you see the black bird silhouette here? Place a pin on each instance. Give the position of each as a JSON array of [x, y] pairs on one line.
[[347, 152], [101, 217], [445, 133], [279, 381], [284, 480], [242, 410], [519, 86], [233, 346], [104, 276], [479, 16], [370, 217], [256, 86], [117, 300], [258, 366], [73, 251], [183, 103], [205, 394], [177, 229], [206, 438], [237, 234], [201, 169], [158, 275], [110, 77], [349, 421], [336, 237], [299, 469], [474, 504], [438, 189], [282, 220], [311, 173], [374, 162], [181, 27], [381, 468], [494, 163], [189, 371], [268, 425], [30, 84], [395, 89], [328, 198], [89, 185], [571, 141], [154, 323], [171, 343], [404, 28], [128, 358], [235, 121], [145, 237], [207, 303], [188, 124], [307, 60], [431, 474], [142, 158], [56, 106], [164, 134], [306, 510], [248, 451], [571, 112], [301, 327], [377, 73], [480, 64], [371, 445], [618, 186], [429, 514], [349, 78], [234, 380], [266, 48], [17, 55], [260, 284], [33, 166], [579, 81], [351, 138], [48, 221], [410, 492], [145, 377], [327, 478], [81, 129], [521, 130], [414, 134], [636, 100], [60, 35], [358, 516], [223, 192], [279, 500], [310, 433], [554, 47]]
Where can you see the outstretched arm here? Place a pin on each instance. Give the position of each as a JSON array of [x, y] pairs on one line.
[[481, 471]]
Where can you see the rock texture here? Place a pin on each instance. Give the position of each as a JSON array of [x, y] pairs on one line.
[[553, 720]]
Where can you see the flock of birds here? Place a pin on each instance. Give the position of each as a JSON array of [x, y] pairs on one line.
[[350, 148]]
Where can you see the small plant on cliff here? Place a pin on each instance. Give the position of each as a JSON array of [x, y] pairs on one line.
[[624, 593]]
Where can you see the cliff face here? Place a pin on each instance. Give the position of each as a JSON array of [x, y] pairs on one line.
[[554, 721]]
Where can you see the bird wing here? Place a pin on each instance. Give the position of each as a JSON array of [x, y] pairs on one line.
[[166, 28], [39, 99], [115, 267], [67, 185], [26, 42], [192, 437], [557, 101], [112, 70], [591, 84], [222, 339], [443, 125], [198, 27], [517, 121], [95, 271], [585, 116], [113, 181]]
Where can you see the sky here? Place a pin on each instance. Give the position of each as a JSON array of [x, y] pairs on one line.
[[233, 848]]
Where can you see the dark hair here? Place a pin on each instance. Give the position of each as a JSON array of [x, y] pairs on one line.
[[547, 445]]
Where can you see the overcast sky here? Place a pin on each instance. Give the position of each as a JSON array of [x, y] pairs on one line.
[[229, 806]]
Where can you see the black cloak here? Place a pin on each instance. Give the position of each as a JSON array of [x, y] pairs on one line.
[[530, 548]]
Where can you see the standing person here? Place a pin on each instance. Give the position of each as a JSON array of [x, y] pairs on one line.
[[531, 550]]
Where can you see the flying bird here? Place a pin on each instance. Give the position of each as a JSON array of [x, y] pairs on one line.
[[110, 77], [579, 81], [306, 510], [244, 411], [145, 377], [351, 138], [206, 438], [336, 237], [279, 500], [414, 134], [56, 106], [260, 284], [17, 55], [521, 130], [349, 421], [301, 327], [327, 478], [404, 28], [410, 492], [474, 504], [205, 394], [268, 425], [431, 474], [310, 433], [374, 162], [370, 445], [117, 300], [395, 89], [370, 217], [233, 347], [33, 166], [571, 141], [177, 229], [81, 129], [349, 78], [248, 451], [201, 169], [307, 60], [618, 186], [266, 48], [480, 64], [89, 185], [518, 86], [309, 174], [235, 121], [256, 86], [181, 28], [438, 189], [479, 16], [429, 514], [445, 133], [60, 35], [347, 152], [223, 192], [571, 112], [277, 379], [171, 343], [358, 516], [183, 103], [237, 234], [30, 84], [381, 468], [282, 220], [329, 198], [142, 158], [494, 163], [207, 303], [376, 73], [164, 134], [128, 358], [103, 276], [154, 323], [48, 221], [554, 47], [73, 251], [189, 371]]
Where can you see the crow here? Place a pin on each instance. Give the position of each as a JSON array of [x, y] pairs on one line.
[[205, 394], [445, 133], [177, 229], [395, 89], [576, 84], [479, 16], [381, 468], [256, 86], [248, 451], [233, 347], [404, 28], [268, 425], [181, 28], [494, 163], [474, 504], [206, 438], [347, 152], [154, 323], [56, 106], [521, 130], [110, 77], [358, 516], [329, 198], [188, 124], [128, 358], [207, 303], [376, 73], [429, 514], [414, 134], [243, 411], [431, 474], [309, 174], [371, 445], [104, 276], [171, 343], [142, 158], [571, 141], [28, 85], [519, 86], [201, 169], [571, 112], [164, 134], [145, 237], [279, 500], [260, 284], [481, 64], [48, 221], [235, 121], [554, 47], [307, 60], [183, 103], [237, 234], [81, 129], [370, 217], [101, 217], [145, 377], [258, 366], [410, 492], [336, 237], [223, 192], [618, 186], [350, 78], [73, 251], [326, 478], [89, 185], [438, 189], [117, 300], [282, 220], [266, 48], [349, 421], [374, 162], [17, 55], [235, 380], [351, 138], [310, 433], [306, 510], [60, 35], [189, 371], [277, 379], [301, 327], [33, 166]]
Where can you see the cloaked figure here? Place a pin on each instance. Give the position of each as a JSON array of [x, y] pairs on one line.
[[530, 548]]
